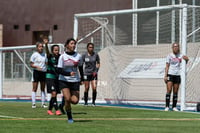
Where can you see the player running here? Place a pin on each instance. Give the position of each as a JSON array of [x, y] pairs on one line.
[[69, 68]]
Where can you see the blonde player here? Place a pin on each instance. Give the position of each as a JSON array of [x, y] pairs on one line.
[[172, 75]]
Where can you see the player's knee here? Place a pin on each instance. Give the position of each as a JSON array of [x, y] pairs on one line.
[[67, 100], [86, 89], [74, 100]]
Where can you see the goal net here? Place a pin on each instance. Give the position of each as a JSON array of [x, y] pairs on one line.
[[133, 45], [16, 73]]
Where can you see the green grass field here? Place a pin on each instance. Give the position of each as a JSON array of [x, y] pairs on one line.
[[19, 117]]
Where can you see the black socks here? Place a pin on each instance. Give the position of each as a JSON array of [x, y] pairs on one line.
[[86, 97]]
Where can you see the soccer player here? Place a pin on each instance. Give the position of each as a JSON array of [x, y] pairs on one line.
[[38, 63], [172, 76], [92, 64], [52, 76], [69, 68]]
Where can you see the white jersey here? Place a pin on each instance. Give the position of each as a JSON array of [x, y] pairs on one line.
[[70, 63], [39, 60], [174, 61]]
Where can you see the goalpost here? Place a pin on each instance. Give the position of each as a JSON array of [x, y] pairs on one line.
[[16, 73], [132, 64], [112, 34]]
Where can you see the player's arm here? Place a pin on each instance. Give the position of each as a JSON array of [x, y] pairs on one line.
[[80, 68], [166, 72], [97, 67], [47, 49], [35, 67], [185, 58], [97, 63], [61, 71]]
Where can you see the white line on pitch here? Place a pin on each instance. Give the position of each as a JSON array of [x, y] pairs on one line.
[[4, 116]]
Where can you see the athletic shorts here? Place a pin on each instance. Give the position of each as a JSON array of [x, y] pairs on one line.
[[38, 76], [73, 86], [52, 85], [90, 77], [176, 79]]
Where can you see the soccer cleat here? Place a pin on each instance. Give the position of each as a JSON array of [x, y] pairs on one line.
[[69, 116], [33, 106], [93, 105], [86, 105], [61, 109], [49, 112], [58, 112], [70, 121], [44, 106], [175, 109], [167, 109]]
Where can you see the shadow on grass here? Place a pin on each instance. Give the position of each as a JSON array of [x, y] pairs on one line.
[[79, 113], [83, 120]]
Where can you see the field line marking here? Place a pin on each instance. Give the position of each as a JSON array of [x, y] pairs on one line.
[[12, 117], [107, 119]]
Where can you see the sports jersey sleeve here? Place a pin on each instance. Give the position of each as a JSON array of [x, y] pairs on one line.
[[80, 63], [168, 59], [32, 58], [60, 62]]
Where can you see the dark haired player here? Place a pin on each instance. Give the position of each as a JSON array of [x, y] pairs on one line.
[[52, 76], [91, 62], [70, 69]]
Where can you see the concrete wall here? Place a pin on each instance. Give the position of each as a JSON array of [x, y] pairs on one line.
[[42, 16]]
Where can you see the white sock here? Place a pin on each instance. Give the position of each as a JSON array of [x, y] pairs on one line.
[[33, 97], [43, 97], [48, 97]]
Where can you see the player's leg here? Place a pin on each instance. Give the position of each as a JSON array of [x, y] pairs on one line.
[[168, 95], [74, 89], [34, 90], [42, 79], [87, 86], [67, 95], [62, 85], [61, 105], [50, 91], [43, 97], [75, 97], [35, 78], [175, 96], [94, 91], [57, 91], [55, 103], [177, 81]]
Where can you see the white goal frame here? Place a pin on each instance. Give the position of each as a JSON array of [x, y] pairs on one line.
[[183, 28]]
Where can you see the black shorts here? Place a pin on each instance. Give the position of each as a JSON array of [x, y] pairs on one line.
[[39, 76], [73, 86], [176, 79], [90, 77], [52, 85]]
